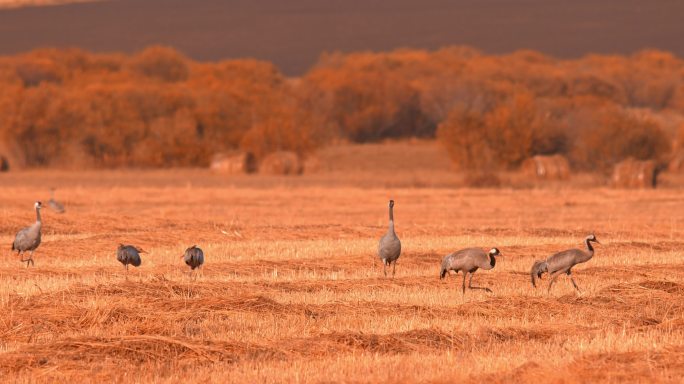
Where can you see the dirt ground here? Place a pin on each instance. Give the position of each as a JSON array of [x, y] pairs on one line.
[[292, 290]]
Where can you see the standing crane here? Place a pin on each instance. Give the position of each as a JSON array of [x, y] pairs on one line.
[[54, 204], [28, 239], [389, 247]]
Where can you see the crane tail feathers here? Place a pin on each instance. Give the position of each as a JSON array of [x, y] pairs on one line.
[[442, 273], [538, 268]]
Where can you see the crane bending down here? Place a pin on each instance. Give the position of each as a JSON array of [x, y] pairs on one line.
[[193, 257], [562, 262], [469, 260], [28, 239], [389, 247], [129, 254]]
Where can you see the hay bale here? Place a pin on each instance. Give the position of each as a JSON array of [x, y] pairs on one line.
[[631, 173], [281, 163], [555, 167], [236, 162], [4, 164]]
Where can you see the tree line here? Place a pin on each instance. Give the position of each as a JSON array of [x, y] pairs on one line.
[[157, 108]]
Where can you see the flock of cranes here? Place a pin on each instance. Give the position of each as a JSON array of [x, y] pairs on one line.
[[466, 261], [469, 260]]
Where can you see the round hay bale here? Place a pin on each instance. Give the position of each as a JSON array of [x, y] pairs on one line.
[[281, 163], [236, 162], [631, 173], [555, 167], [4, 164]]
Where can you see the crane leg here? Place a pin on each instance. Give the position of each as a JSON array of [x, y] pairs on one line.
[[28, 261], [394, 268], [470, 284], [384, 267], [464, 278], [554, 276], [574, 284]]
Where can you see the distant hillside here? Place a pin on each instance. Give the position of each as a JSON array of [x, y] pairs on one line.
[[293, 33]]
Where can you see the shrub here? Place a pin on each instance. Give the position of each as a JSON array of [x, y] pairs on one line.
[[613, 134], [161, 63], [500, 138]]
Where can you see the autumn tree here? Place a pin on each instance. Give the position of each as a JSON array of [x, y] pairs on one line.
[[161, 63]]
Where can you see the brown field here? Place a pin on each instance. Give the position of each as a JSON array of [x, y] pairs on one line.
[[292, 291], [292, 34], [37, 3]]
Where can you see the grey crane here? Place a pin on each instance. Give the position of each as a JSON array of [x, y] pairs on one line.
[[28, 239], [562, 262], [54, 204], [129, 254], [389, 247], [193, 257], [469, 260]]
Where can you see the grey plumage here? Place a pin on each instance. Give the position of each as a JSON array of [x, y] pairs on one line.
[[562, 262], [28, 239], [54, 204], [469, 260], [389, 247], [194, 257], [129, 254]]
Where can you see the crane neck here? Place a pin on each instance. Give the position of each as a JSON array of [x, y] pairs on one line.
[[38, 220], [492, 260], [390, 227], [590, 248]]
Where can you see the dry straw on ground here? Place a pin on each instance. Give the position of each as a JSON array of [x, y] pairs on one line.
[[292, 291]]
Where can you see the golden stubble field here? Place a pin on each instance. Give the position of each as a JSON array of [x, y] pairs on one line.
[[292, 291]]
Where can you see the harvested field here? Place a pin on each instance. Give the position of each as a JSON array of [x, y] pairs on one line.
[[292, 292]]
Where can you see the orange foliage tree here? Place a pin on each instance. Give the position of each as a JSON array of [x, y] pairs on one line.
[[157, 108]]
